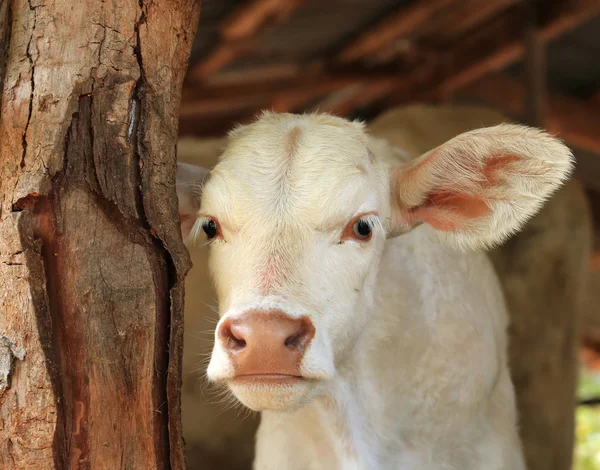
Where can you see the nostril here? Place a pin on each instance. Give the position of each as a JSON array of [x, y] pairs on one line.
[[292, 341], [232, 338], [303, 335], [238, 343]]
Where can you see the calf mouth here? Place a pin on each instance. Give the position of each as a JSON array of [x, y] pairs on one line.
[[273, 392], [267, 379]]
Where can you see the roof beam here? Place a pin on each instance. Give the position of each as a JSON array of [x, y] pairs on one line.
[[498, 56], [402, 23], [465, 16], [535, 67], [239, 32], [574, 121], [365, 94], [282, 95], [344, 102]]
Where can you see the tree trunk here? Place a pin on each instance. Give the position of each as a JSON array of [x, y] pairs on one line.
[[91, 258]]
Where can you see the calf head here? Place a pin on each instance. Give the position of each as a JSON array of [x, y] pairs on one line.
[[297, 212]]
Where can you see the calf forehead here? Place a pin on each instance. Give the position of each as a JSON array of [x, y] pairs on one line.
[[293, 164]]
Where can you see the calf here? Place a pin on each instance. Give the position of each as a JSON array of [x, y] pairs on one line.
[[357, 310]]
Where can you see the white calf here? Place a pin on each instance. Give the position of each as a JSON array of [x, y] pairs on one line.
[[356, 313]]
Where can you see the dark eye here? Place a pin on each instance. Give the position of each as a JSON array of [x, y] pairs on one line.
[[362, 230], [210, 228]]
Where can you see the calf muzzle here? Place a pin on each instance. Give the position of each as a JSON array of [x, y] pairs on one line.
[[266, 345]]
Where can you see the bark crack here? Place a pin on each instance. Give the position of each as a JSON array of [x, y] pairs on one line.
[[134, 130], [32, 64]]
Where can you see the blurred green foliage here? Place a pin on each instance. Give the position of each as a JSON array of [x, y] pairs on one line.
[[587, 443]]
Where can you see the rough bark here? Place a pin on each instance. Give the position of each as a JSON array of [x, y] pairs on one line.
[[91, 258], [5, 20]]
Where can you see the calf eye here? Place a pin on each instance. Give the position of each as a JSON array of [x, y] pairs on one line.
[[362, 230], [210, 228]]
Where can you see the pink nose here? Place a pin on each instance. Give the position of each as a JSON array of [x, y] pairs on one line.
[[266, 343]]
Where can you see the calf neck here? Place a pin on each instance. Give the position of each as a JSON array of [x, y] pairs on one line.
[[358, 312]]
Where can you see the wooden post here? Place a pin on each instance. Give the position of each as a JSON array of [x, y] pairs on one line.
[[535, 65], [91, 257], [544, 290]]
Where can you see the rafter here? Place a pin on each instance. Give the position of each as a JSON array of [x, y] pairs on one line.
[[402, 23], [502, 50], [282, 95], [239, 32], [573, 120], [366, 94], [344, 102], [463, 17]]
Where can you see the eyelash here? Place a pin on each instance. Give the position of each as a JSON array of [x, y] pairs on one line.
[[201, 225], [353, 229]]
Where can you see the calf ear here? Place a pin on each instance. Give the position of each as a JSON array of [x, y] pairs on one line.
[[190, 179], [480, 187]]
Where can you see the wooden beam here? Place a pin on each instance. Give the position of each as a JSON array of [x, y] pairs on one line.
[[402, 23], [496, 57], [262, 73], [221, 56], [573, 120], [283, 95], [254, 16], [239, 32], [535, 66], [366, 94], [464, 16], [346, 101], [216, 126]]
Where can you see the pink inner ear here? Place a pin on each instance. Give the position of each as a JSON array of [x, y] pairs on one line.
[[451, 211]]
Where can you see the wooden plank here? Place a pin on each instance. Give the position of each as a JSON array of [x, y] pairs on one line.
[[282, 95], [402, 23], [573, 120], [262, 73], [464, 16], [221, 56], [251, 18], [359, 96], [505, 52], [535, 67], [239, 32], [366, 94]]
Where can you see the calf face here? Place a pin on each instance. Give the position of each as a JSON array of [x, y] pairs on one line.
[[297, 212]]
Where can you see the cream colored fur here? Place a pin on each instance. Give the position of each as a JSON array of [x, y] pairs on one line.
[[408, 366]]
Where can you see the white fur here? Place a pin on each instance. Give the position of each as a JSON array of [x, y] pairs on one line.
[[407, 369]]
